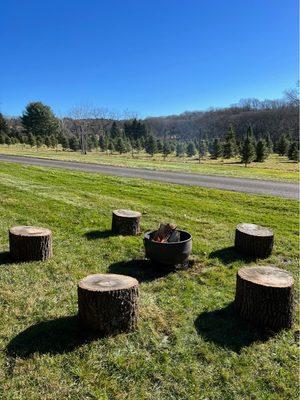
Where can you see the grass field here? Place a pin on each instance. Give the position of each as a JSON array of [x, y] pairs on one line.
[[274, 168], [189, 345]]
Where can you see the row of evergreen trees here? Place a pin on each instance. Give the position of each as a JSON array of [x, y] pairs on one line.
[[41, 127]]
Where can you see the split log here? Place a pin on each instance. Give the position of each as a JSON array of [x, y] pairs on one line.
[[254, 240], [126, 222], [30, 243], [108, 303], [264, 297]]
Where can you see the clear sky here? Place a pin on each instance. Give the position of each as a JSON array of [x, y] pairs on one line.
[[155, 57]]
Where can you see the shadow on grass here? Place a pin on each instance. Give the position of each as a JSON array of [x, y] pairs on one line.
[[229, 255], [56, 336], [225, 329], [5, 258], [141, 269], [93, 235]]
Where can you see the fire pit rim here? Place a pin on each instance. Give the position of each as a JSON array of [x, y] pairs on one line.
[[148, 233]]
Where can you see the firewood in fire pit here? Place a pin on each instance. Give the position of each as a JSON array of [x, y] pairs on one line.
[[165, 232]]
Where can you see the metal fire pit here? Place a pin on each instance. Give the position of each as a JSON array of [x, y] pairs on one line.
[[170, 254]]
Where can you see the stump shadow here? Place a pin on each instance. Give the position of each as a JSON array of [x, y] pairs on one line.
[[56, 336], [229, 255], [5, 258], [141, 269], [224, 328], [94, 235]]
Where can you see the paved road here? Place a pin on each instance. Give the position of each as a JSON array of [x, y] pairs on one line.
[[281, 189]]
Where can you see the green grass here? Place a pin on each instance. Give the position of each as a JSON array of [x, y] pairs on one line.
[[188, 345], [274, 168]]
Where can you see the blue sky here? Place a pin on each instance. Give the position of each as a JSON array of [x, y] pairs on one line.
[[156, 57]]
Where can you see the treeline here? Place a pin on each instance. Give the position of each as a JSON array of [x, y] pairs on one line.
[[38, 126]]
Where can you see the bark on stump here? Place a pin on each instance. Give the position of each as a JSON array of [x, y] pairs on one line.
[[254, 240], [126, 222], [108, 303], [264, 297], [30, 243]]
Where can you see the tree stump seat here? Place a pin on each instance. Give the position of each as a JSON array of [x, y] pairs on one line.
[[264, 297], [108, 303], [126, 222], [28, 243], [254, 240]]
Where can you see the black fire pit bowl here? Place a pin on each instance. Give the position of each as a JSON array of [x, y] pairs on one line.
[[170, 254]]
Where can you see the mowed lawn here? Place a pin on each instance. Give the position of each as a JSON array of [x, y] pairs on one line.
[[189, 345], [276, 167]]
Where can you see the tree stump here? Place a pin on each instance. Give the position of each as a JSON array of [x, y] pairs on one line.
[[254, 240], [30, 243], [126, 222], [264, 297], [108, 303]]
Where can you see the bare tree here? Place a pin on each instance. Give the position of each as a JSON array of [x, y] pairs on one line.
[[80, 115]]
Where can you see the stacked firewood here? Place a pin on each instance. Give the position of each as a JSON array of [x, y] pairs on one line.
[[166, 233]]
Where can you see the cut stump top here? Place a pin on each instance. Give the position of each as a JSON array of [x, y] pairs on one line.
[[107, 282], [254, 230], [127, 213], [267, 276], [29, 231]]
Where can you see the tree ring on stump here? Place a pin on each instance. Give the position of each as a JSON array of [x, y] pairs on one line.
[[264, 296], [254, 240], [108, 303], [30, 243]]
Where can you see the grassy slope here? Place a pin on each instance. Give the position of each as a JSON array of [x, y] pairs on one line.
[[185, 348], [275, 168]]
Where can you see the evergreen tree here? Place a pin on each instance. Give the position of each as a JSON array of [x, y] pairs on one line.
[[39, 119], [2, 138], [120, 145], [150, 145], [3, 125], [102, 143], [203, 148], [39, 141], [180, 149], [111, 146], [229, 147], [166, 148], [248, 150], [8, 140], [293, 152], [262, 151], [217, 149], [159, 146], [191, 149], [48, 141], [74, 143], [64, 141], [283, 145], [269, 143], [114, 130], [31, 139]]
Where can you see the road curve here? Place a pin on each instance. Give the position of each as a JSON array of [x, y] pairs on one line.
[[255, 186]]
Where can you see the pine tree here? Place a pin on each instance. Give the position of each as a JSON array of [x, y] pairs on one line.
[[31, 139], [64, 141], [166, 148], [203, 148], [262, 151], [74, 143], [150, 145], [102, 143], [39, 120], [48, 141], [217, 150], [229, 147], [120, 145], [293, 152], [269, 143], [114, 130], [180, 149], [8, 140], [248, 150], [191, 149], [111, 146], [283, 145], [159, 146], [3, 125], [2, 138]]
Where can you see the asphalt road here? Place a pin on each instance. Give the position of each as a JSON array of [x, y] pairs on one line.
[[255, 186]]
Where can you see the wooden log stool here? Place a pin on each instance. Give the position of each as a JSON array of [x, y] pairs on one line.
[[30, 243], [126, 222], [254, 240], [264, 297], [108, 303]]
